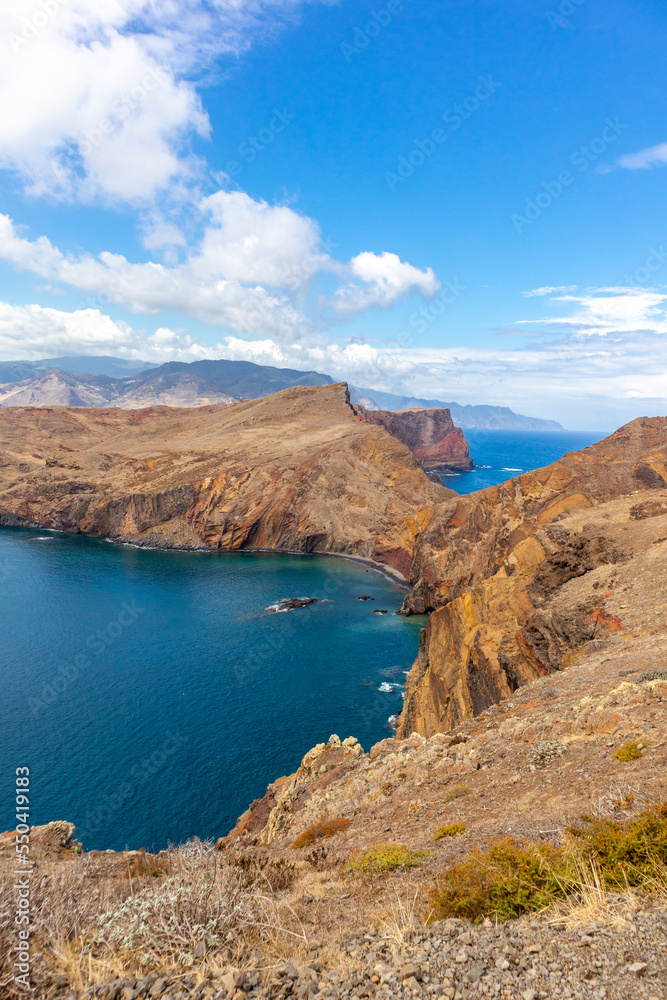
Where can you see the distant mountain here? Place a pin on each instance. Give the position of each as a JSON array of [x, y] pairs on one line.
[[108, 381], [172, 384], [468, 416], [17, 371]]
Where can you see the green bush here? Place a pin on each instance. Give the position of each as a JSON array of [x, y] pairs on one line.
[[453, 830], [505, 880], [385, 858]]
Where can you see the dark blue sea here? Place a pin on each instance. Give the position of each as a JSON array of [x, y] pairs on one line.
[[153, 696], [502, 455]]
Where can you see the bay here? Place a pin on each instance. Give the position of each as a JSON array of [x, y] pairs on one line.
[[153, 696]]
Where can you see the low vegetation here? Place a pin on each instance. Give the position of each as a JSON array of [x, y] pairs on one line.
[[320, 831], [509, 878], [453, 830], [630, 751], [502, 881], [456, 792], [383, 858]]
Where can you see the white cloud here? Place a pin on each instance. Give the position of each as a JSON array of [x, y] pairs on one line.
[[30, 332], [386, 279], [652, 156], [608, 311], [596, 382], [253, 263], [549, 290], [99, 97]]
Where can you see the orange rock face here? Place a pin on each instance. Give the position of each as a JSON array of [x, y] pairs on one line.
[[295, 471], [429, 434], [493, 567]]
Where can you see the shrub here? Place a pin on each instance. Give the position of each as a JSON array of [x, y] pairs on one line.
[[545, 752], [456, 792], [508, 879], [449, 831], [320, 831], [256, 869], [630, 854], [630, 751], [385, 858], [505, 880]]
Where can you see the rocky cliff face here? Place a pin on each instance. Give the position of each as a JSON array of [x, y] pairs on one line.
[[294, 471], [429, 434], [495, 566]]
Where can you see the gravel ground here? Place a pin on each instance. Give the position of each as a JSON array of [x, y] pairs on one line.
[[453, 959]]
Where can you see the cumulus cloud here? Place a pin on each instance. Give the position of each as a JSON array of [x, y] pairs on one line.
[[384, 278], [645, 159], [252, 264], [120, 100], [596, 382]]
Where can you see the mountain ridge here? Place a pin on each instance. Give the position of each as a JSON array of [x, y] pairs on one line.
[[78, 381]]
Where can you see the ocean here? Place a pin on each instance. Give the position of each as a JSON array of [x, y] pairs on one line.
[[152, 694], [502, 455]]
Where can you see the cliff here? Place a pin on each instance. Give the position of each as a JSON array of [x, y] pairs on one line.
[[494, 566], [295, 471], [429, 434]]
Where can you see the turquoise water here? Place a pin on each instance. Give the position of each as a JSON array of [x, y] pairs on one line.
[[153, 696], [501, 455]]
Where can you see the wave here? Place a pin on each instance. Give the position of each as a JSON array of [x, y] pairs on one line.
[[511, 470], [388, 688], [393, 721]]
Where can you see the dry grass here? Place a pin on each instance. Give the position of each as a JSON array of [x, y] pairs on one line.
[[456, 792], [92, 923], [320, 831], [401, 919]]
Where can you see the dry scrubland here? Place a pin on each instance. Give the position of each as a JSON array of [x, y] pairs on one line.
[[513, 846]]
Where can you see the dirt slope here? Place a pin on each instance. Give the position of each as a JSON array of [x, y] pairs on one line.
[[297, 470]]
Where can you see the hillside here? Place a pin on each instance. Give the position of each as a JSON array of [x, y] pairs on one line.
[[296, 471], [530, 768]]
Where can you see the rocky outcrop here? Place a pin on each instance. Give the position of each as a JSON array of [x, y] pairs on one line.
[[294, 471], [494, 567], [429, 434]]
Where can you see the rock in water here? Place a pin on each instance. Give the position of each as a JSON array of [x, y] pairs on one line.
[[365, 597], [290, 603]]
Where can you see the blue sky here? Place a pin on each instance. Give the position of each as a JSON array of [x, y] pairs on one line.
[[455, 200]]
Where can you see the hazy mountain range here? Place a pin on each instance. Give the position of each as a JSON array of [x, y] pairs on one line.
[[109, 381]]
